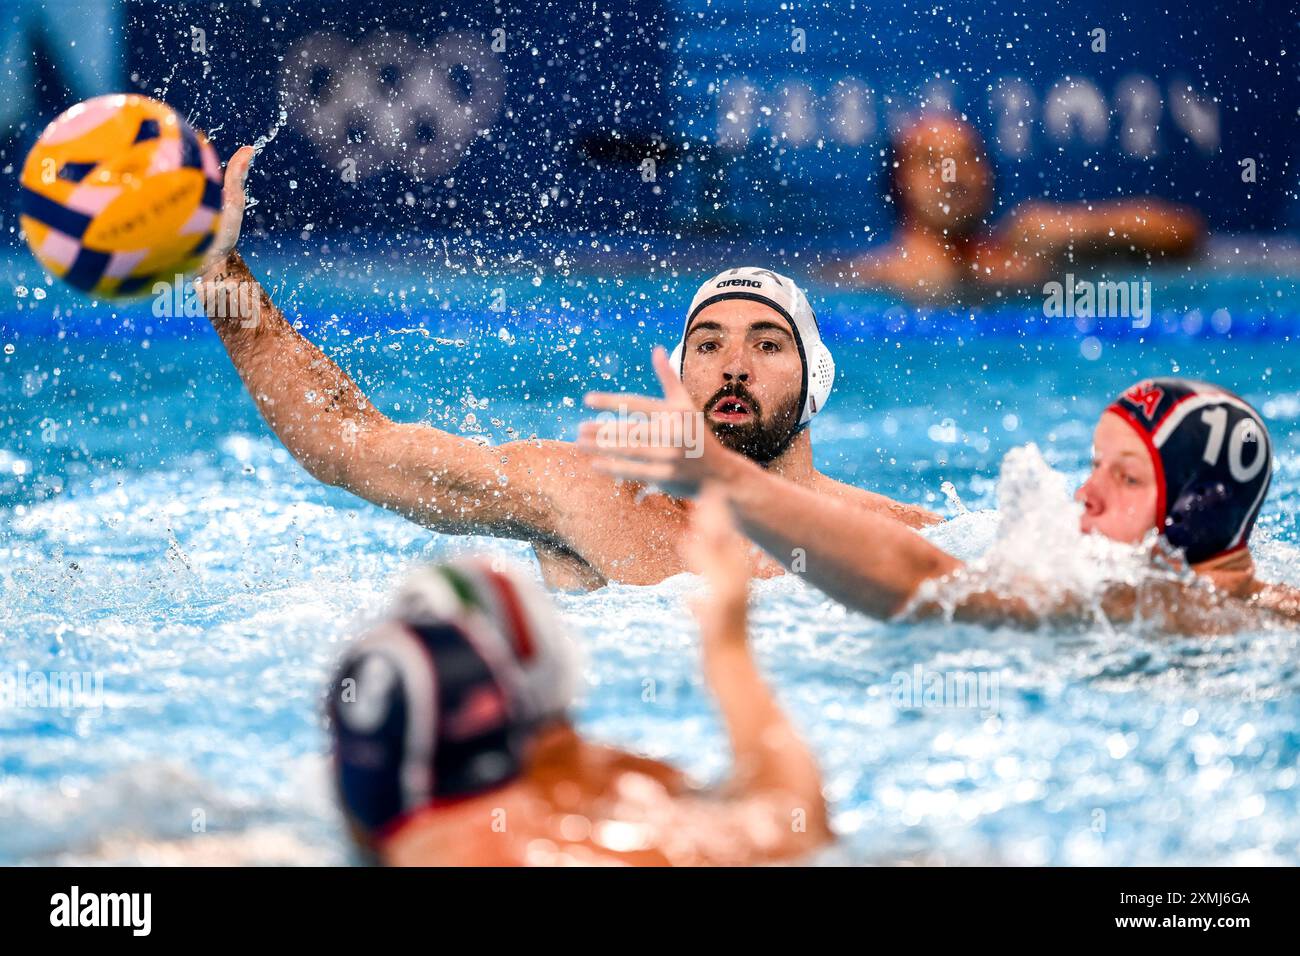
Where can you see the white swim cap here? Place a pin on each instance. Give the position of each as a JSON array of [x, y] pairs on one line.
[[513, 621], [786, 298]]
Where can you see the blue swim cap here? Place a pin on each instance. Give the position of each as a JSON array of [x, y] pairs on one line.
[[1213, 461], [438, 703]]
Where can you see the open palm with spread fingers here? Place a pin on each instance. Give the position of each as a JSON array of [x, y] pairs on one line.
[[662, 441]]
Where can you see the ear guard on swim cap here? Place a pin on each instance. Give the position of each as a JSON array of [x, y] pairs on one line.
[[1212, 457], [783, 296], [439, 702]]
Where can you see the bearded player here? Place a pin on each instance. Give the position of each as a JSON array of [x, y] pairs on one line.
[[751, 357]]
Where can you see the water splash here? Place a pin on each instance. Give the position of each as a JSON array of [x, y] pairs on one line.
[[1039, 554], [213, 677], [954, 500], [265, 140], [269, 136]]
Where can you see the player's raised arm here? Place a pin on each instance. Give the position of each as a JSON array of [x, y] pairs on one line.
[[773, 769], [438, 479], [865, 557], [680, 474], [1144, 225]]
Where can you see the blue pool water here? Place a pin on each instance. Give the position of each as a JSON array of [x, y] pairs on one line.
[[153, 532]]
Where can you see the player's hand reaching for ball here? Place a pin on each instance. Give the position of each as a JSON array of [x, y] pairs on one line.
[[233, 199]]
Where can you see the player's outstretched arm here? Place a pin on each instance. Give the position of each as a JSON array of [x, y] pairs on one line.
[[769, 754], [864, 557], [665, 465], [1146, 224], [441, 480]]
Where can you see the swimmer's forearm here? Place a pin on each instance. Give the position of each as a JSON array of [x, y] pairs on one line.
[[864, 560], [769, 754], [1148, 224], [914, 516], [1152, 225], [743, 698], [311, 404], [432, 477]]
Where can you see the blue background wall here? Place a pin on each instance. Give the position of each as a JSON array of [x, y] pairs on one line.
[[552, 130], [1179, 96]]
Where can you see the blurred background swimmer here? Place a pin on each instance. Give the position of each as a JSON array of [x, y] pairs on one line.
[[941, 184], [453, 744]]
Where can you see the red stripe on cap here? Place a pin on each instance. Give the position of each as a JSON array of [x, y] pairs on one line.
[[525, 646], [1156, 462], [395, 827]]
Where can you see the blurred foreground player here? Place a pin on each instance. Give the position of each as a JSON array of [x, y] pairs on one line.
[[453, 744]]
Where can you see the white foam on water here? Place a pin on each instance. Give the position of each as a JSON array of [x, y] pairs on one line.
[[216, 593], [1036, 551]]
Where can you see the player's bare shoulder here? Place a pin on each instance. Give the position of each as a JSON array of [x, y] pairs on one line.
[[580, 497]]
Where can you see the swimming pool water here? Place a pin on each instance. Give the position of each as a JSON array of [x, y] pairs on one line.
[[154, 532]]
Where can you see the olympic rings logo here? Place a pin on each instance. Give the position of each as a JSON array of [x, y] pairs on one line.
[[392, 101]]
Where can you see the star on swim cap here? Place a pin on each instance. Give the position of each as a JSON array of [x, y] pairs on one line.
[[1212, 457], [784, 297]]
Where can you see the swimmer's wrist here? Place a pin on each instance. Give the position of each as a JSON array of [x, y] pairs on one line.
[[231, 298], [733, 604], [741, 480], [221, 268], [729, 469], [724, 621]]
